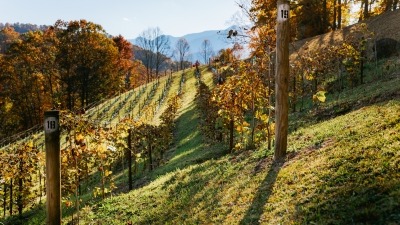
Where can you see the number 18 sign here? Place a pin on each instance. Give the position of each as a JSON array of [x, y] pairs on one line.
[[50, 124], [283, 12]]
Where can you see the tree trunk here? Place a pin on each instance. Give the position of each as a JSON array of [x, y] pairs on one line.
[[20, 190], [270, 72], [334, 15], [324, 17], [388, 6], [366, 10], [5, 200], [395, 4], [150, 157], [11, 197], [231, 128], [129, 158], [294, 98], [339, 12]]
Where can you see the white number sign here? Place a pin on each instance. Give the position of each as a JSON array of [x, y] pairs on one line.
[[283, 12], [50, 124]]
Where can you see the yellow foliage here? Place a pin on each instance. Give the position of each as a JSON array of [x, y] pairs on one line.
[[8, 105], [320, 96]]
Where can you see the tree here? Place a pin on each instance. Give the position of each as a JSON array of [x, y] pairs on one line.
[[182, 50], [7, 36], [162, 47], [206, 51], [26, 65], [337, 14], [87, 63], [124, 61], [366, 7], [154, 48], [388, 5], [146, 54]]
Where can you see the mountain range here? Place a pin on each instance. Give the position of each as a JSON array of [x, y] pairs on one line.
[[217, 38]]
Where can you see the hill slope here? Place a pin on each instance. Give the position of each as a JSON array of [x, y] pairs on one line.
[[345, 170], [386, 25], [342, 168]]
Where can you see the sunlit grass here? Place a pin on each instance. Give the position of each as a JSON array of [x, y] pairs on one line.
[[341, 171]]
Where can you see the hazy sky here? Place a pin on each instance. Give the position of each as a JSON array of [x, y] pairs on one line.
[[126, 17]]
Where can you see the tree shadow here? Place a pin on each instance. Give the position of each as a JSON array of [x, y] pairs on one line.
[[264, 191], [188, 149]]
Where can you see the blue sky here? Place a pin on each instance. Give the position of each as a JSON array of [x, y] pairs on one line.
[[126, 17]]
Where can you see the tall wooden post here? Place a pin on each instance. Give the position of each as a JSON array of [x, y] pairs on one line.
[[282, 77], [129, 159], [53, 167]]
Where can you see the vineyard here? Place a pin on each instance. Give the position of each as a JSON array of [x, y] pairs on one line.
[[94, 145], [197, 147]]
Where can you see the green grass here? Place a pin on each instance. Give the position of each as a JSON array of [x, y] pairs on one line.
[[172, 91], [342, 171], [341, 168], [380, 89]]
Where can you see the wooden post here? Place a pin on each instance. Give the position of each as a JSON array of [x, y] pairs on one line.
[[53, 167], [282, 76], [11, 197], [129, 158]]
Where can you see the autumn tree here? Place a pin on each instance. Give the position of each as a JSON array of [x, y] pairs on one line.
[[125, 59], [86, 59], [138, 74], [7, 117], [225, 56], [7, 36], [68, 65], [243, 96], [27, 64]]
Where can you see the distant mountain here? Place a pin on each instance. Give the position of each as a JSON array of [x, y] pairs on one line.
[[217, 38]]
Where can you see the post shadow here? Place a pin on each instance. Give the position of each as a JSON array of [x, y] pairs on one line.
[[264, 191]]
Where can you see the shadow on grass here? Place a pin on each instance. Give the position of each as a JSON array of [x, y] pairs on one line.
[[264, 191], [376, 92], [188, 149], [37, 213]]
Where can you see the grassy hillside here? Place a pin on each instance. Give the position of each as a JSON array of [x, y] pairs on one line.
[[343, 165], [108, 113], [386, 25], [343, 170]]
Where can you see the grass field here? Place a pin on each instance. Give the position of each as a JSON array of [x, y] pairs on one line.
[[343, 167], [342, 170]]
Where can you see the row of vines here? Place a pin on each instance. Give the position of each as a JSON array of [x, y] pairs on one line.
[[91, 154], [240, 109]]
